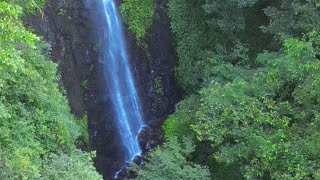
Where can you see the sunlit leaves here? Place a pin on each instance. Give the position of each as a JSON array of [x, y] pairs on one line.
[[28, 6], [179, 123], [35, 121]]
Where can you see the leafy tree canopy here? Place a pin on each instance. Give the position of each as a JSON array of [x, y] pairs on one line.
[[169, 162], [250, 72]]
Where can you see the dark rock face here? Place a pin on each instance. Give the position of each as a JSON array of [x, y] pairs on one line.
[[73, 30], [66, 25], [153, 60]]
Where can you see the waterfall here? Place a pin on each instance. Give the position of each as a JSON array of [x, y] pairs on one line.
[[120, 81]]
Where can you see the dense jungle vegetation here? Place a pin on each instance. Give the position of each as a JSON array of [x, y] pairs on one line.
[[250, 72], [38, 135]]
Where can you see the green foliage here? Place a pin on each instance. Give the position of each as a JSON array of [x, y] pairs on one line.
[[189, 29], [293, 17], [223, 29], [179, 123], [74, 167], [84, 84], [257, 103], [29, 6], [62, 12], [169, 163], [269, 123], [138, 15], [158, 86], [35, 121], [84, 135], [231, 19], [233, 31]]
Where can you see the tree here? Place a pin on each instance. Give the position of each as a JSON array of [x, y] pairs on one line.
[[169, 163], [269, 123], [293, 18]]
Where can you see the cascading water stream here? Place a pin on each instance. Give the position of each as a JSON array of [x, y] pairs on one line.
[[119, 79]]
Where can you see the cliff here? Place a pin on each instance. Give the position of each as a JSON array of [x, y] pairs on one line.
[[72, 29]]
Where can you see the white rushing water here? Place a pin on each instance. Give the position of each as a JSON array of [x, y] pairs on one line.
[[120, 81]]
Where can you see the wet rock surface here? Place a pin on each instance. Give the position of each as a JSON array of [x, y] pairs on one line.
[[150, 138], [153, 62], [66, 26]]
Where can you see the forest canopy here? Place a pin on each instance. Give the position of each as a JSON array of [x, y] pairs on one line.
[[250, 74]]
